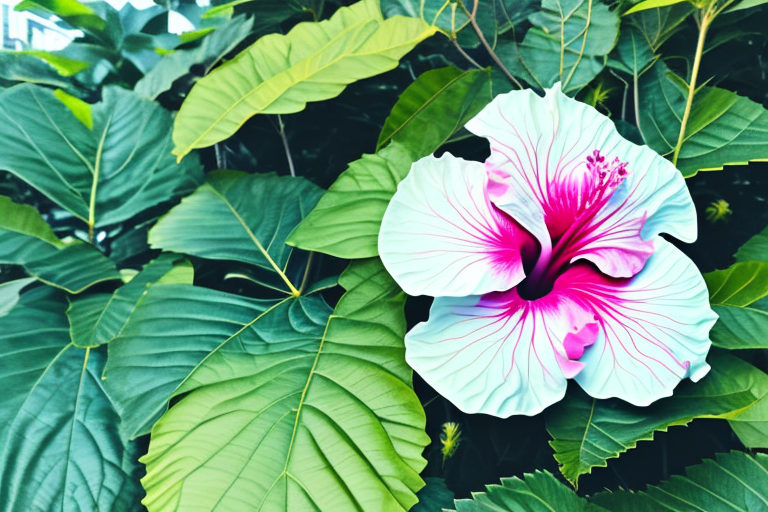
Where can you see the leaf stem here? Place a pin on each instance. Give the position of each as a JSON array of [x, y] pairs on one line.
[[473, 21], [286, 146], [706, 20], [465, 54]]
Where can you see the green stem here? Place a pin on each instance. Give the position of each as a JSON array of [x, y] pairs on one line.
[[706, 19]]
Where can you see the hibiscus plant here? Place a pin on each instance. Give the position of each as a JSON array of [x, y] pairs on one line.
[[386, 255]]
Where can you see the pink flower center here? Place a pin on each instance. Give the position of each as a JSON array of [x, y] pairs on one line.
[[571, 219]]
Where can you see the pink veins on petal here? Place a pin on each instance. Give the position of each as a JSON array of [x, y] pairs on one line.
[[547, 264]]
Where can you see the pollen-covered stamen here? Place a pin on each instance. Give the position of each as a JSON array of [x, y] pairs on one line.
[[609, 174]]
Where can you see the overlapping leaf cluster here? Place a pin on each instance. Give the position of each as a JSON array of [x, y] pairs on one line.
[[174, 333]]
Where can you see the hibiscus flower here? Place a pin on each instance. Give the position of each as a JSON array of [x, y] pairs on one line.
[[547, 264]]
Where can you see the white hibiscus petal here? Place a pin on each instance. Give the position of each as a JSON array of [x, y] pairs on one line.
[[654, 327], [541, 176], [441, 236], [499, 354]]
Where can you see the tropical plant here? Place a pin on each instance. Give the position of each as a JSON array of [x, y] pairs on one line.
[[201, 259]]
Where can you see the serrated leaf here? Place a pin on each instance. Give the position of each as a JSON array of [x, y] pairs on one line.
[[434, 107], [568, 43], [723, 128], [27, 240], [739, 285], [238, 216], [280, 74], [588, 432], [178, 64], [535, 492], [98, 318], [325, 401], [57, 427], [346, 220], [730, 482], [102, 176]]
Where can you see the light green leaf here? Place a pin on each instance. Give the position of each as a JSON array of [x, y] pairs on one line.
[[587, 432], [346, 220], [57, 427], [740, 328], [324, 402], [238, 216], [723, 128], [434, 496], [434, 107], [755, 249], [10, 293], [740, 284], [280, 74], [76, 14], [102, 176], [80, 109], [98, 318], [731, 482], [177, 65], [652, 4], [568, 43], [537, 492], [752, 434], [27, 240], [63, 65]]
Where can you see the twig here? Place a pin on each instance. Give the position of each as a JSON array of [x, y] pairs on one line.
[[473, 21], [285, 145], [465, 54]]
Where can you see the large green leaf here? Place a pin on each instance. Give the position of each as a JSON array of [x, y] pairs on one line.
[[158, 331], [346, 220], [537, 492], [447, 15], [280, 74], [755, 249], [281, 405], [27, 240], [434, 107], [723, 128], [568, 43], [658, 25], [731, 482], [102, 176], [739, 285], [740, 328], [39, 67], [587, 432], [178, 64], [98, 318], [633, 53], [240, 217], [57, 427]]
